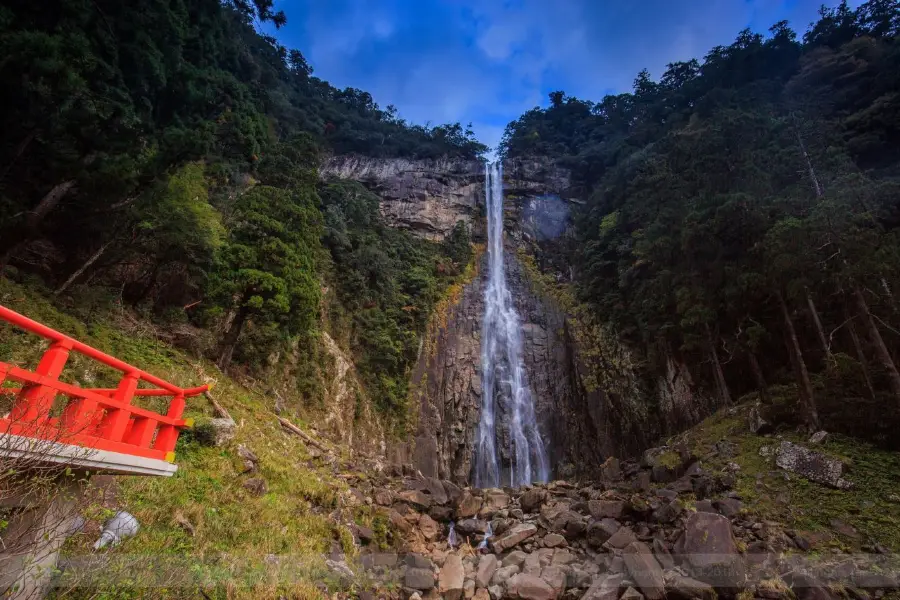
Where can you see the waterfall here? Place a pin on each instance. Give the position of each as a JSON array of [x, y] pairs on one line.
[[505, 394]]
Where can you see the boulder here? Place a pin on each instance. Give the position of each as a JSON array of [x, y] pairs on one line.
[[256, 486], [819, 437], [481, 594], [668, 512], [532, 500], [604, 588], [467, 505], [645, 570], [611, 470], [641, 482], [598, 532], [812, 465], [552, 540], [512, 537], [223, 430], [555, 577], [472, 526], [728, 507], [529, 587], [419, 579], [631, 594], [452, 578], [429, 528], [679, 587], [434, 488], [416, 498], [756, 423], [516, 557], [452, 490], [710, 550], [502, 574], [383, 497], [612, 509], [621, 538], [487, 566], [494, 500], [399, 522], [661, 551]]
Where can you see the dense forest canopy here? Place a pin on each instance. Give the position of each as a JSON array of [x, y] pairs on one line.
[[165, 154], [743, 213]]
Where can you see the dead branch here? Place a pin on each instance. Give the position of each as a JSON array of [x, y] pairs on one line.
[[296, 430], [218, 409]]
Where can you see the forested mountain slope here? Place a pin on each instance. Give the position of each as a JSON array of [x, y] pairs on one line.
[[742, 216], [164, 155]]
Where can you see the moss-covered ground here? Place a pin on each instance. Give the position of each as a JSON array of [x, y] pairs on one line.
[[202, 533], [871, 507]]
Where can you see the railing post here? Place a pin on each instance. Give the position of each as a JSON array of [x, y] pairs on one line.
[[167, 436], [116, 420], [36, 400]]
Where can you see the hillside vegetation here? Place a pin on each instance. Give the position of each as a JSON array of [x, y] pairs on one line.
[[164, 155], [742, 215]]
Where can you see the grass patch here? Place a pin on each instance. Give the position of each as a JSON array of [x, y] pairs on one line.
[[770, 493], [237, 545]]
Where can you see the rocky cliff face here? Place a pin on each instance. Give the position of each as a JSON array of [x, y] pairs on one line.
[[593, 400], [427, 197]]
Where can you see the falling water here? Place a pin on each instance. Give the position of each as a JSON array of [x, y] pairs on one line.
[[505, 390]]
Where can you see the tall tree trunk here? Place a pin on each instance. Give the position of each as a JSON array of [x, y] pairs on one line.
[[809, 165], [881, 351], [232, 335], [84, 267], [815, 315], [717, 368], [758, 376], [860, 355], [810, 415], [16, 235]]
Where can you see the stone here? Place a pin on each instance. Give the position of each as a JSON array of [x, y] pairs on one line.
[[441, 513], [419, 579], [512, 537], [417, 561], [728, 507], [668, 512], [555, 577], [468, 589], [812, 465], [604, 588], [256, 486], [468, 505], [429, 528], [709, 546], [562, 557], [621, 538], [529, 587], [504, 573], [645, 570], [611, 470], [472, 526], [365, 534], [756, 423], [819, 437], [487, 566], [552, 540], [807, 587], [417, 498], [223, 430], [704, 506], [532, 500], [384, 497], [452, 578], [663, 556], [436, 490], [516, 557], [612, 509], [680, 587], [399, 521], [631, 594], [496, 592], [598, 532], [481, 594], [494, 500], [663, 474], [452, 490], [642, 482]]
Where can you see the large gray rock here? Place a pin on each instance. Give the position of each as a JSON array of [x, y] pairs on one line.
[[487, 566], [600, 531], [468, 505], [645, 570], [419, 579], [512, 537], [709, 548], [452, 578], [532, 500], [529, 587], [812, 465]]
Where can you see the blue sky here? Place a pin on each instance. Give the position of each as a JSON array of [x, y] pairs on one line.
[[488, 61]]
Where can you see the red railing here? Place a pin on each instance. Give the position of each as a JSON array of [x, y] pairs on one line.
[[102, 419]]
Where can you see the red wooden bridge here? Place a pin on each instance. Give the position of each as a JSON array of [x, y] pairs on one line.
[[94, 428]]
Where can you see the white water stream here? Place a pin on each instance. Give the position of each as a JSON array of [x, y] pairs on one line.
[[505, 393]]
